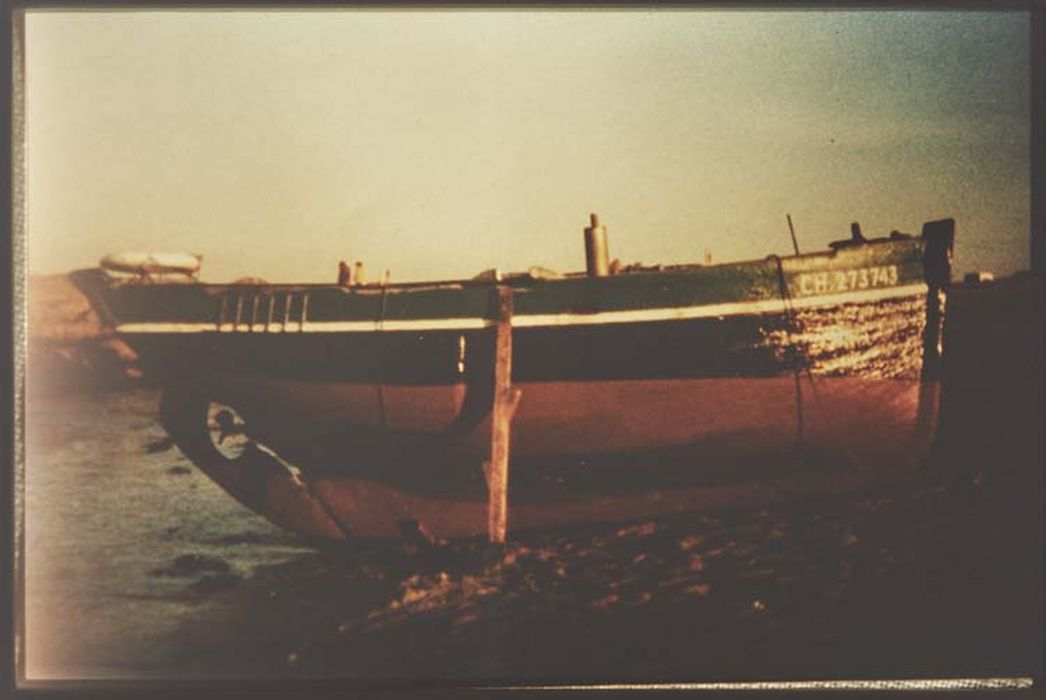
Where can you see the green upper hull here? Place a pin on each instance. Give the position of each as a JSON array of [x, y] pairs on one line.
[[857, 271]]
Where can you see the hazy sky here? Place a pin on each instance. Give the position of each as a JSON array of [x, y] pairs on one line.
[[437, 144]]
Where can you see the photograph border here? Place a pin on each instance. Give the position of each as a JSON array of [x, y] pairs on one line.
[[13, 264]]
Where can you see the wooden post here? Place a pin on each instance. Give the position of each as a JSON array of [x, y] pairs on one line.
[[505, 401]]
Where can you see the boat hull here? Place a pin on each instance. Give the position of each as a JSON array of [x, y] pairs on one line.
[[367, 413], [385, 492], [850, 416], [379, 460]]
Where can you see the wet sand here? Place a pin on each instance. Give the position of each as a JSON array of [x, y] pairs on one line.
[[938, 577], [882, 586]]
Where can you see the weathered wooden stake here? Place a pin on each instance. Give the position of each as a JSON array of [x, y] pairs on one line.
[[505, 401]]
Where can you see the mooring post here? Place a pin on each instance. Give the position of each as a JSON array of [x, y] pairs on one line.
[[505, 401]]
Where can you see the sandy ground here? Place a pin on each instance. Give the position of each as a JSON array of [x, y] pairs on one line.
[[934, 582]]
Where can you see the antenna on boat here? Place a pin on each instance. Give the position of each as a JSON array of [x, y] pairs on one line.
[[791, 229]]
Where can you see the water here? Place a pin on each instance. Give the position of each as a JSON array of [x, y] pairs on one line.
[[107, 508]]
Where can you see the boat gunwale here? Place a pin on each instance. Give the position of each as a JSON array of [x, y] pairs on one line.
[[522, 279]]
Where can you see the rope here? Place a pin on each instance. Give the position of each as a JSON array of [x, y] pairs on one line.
[[300, 477], [790, 321], [381, 383]]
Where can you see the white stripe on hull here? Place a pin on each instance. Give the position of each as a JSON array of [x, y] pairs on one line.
[[674, 313]]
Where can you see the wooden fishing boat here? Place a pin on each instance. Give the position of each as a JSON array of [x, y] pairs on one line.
[[368, 410]]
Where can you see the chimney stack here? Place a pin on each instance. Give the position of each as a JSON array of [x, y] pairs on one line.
[[596, 254]]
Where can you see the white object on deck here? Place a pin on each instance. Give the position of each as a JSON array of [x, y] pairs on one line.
[[151, 264]]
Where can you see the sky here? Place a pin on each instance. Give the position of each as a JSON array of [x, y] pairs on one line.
[[437, 144]]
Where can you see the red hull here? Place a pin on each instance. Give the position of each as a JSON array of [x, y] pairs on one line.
[[737, 442], [740, 416]]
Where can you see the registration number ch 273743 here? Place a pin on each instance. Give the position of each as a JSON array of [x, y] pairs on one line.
[[831, 281]]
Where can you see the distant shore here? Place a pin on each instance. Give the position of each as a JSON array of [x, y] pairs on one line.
[[69, 349]]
